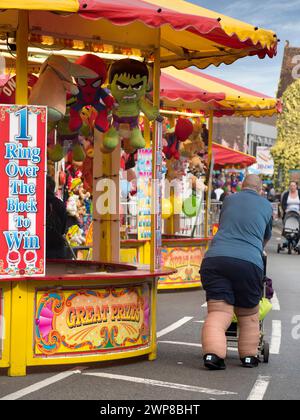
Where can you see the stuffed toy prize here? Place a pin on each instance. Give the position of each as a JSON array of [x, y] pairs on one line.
[[91, 92], [183, 130], [54, 83], [128, 82]]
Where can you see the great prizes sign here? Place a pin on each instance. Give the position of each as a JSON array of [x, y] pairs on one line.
[[23, 131]]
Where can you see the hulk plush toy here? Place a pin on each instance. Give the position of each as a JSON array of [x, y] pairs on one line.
[[128, 81]]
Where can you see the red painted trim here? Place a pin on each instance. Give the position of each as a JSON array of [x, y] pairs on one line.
[[133, 241], [186, 240], [128, 272]]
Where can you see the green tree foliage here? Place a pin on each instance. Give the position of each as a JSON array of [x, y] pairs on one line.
[[286, 151]]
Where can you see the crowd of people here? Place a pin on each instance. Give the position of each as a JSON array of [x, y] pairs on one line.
[[224, 186]]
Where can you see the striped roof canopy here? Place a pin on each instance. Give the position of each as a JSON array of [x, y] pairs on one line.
[[198, 91], [189, 34]]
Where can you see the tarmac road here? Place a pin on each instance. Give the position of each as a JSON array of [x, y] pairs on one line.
[[178, 372]]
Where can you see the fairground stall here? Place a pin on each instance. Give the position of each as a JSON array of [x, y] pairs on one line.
[[77, 312], [187, 232]]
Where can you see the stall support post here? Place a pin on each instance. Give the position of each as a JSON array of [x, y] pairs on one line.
[[147, 244], [156, 102], [170, 222], [18, 325], [147, 132], [106, 232], [209, 160], [18, 329], [153, 355], [22, 58]]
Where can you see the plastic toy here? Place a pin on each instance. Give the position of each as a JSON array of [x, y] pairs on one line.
[[128, 82], [90, 92], [75, 236]]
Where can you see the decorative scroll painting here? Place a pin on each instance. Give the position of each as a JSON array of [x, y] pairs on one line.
[[186, 260], [92, 320]]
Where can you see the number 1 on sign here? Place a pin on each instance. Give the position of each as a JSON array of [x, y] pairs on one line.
[[23, 125]]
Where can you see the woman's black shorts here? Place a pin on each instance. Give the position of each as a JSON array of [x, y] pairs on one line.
[[237, 282]]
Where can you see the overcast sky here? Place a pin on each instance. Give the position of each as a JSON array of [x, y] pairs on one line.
[[281, 16]]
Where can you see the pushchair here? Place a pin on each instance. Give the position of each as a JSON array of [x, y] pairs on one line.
[[232, 334], [291, 232]]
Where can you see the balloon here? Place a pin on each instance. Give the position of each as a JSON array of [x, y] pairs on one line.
[[190, 206], [166, 208], [124, 188], [177, 205]]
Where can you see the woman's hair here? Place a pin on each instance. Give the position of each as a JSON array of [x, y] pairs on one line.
[[294, 182], [50, 184]]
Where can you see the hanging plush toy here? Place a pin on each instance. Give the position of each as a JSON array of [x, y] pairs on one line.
[[91, 93], [128, 81], [183, 130], [55, 80], [54, 83], [197, 166], [194, 144]]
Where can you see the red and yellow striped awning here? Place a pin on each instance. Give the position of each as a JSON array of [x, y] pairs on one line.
[[198, 91], [225, 157], [189, 35]]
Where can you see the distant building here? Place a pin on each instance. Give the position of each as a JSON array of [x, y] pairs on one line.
[[246, 134], [290, 69]]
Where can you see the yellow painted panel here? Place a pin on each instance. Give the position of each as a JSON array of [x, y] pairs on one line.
[[5, 311], [53, 5], [129, 255], [43, 304]]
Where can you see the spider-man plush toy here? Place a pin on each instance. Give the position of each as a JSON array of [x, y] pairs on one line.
[[91, 93]]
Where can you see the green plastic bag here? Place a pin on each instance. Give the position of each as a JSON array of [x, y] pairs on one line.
[[265, 306]]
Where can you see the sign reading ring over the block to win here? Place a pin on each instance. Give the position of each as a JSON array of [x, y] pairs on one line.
[[23, 137]]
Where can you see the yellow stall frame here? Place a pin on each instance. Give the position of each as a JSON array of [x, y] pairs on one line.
[[5, 316]]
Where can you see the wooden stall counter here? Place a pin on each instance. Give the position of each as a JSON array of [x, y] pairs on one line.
[[80, 312]]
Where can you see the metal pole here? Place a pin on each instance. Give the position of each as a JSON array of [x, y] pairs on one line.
[[209, 162]]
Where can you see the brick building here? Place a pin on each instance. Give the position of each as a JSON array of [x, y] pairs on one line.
[[246, 134]]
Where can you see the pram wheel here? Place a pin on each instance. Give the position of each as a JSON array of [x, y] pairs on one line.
[[289, 248], [278, 248], [266, 351]]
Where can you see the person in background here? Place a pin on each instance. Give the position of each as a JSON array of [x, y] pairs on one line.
[[219, 191], [205, 135], [226, 193], [213, 195], [290, 200], [232, 275], [56, 221], [271, 193]]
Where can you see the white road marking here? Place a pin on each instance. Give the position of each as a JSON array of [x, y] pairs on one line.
[[275, 303], [174, 326], [275, 337], [163, 384], [180, 343], [199, 322], [260, 387], [42, 384]]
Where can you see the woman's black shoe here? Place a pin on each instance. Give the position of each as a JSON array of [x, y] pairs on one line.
[[250, 361], [214, 362]]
